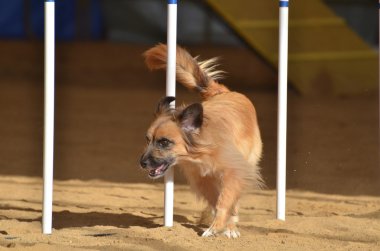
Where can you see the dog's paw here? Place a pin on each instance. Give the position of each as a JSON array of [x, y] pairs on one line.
[[209, 232], [232, 233]]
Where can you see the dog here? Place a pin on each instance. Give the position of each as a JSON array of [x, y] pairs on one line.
[[216, 143]]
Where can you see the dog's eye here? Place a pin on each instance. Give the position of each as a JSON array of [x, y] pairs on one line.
[[163, 143]]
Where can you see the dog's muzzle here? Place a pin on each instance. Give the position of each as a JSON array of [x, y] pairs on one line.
[[156, 168], [144, 163]]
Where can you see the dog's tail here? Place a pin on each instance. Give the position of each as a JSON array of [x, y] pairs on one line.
[[196, 75]]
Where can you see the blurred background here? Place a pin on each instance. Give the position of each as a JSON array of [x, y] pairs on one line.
[[145, 21], [105, 97]]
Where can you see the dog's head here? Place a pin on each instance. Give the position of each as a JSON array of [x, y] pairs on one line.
[[169, 137]]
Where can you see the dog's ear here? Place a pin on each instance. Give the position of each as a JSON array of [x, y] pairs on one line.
[[191, 118], [164, 105]]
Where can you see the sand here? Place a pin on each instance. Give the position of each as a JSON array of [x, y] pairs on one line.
[[99, 215], [103, 201]]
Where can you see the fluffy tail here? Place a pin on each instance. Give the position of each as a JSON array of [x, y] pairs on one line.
[[199, 76]]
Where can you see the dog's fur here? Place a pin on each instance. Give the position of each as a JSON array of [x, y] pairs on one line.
[[216, 143]]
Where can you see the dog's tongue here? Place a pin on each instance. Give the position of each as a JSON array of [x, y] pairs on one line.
[[158, 170]]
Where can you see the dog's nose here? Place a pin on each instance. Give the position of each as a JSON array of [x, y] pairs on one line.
[[143, 163]]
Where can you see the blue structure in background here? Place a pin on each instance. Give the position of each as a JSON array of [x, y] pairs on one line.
[[97, 19], [19, 18], [12, 19], [64, 16]]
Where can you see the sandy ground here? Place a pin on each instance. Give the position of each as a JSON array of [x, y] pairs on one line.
[[101, 215], [104, 102]]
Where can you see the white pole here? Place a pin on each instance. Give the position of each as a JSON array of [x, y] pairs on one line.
[[49, 118], [170, 91], [282, 108]]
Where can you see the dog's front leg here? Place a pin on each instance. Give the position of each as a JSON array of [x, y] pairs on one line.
[[227, 200], [218, 224], [231, 228]]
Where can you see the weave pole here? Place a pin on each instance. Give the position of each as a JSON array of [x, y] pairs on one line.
[[282, 108], [47, 210], [170, 91]]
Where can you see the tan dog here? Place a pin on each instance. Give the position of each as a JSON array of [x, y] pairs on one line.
[[216, 143]]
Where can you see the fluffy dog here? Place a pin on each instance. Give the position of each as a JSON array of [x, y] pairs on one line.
[[216, 143]]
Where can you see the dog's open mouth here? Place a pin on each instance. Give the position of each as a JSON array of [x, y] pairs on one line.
[[159, 171]]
